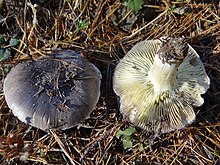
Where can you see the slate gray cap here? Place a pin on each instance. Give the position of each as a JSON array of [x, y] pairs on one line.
[[159, 82], [57, 91]]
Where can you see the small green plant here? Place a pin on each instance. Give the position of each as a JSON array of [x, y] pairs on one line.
[[177, 10], [135, 5], [126, 136], [5, 47], [81, 24]]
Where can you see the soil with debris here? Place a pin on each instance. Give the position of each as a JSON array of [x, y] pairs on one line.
[[103, 31]]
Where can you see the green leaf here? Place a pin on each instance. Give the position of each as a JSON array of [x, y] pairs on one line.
[[126, 133], [140, 147], [179, 10], [127, 144], [5, 54], [138, 162], [13, 42], [127, 140], [2, 52], [2, 40], [134, 4], [81, 24]]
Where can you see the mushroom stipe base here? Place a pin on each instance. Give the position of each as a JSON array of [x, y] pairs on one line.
[[159, 82]]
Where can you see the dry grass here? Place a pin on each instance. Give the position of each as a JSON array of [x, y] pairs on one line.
[[87, 27]]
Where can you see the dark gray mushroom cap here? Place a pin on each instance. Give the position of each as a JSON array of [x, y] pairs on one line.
[[57, 91]]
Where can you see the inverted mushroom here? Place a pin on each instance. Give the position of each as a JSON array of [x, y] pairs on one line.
[[57, 91], [158, 82]]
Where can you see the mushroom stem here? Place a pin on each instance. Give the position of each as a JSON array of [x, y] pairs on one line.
[[162, 75]]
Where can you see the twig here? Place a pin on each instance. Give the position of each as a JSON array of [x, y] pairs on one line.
[[34, 11], [138, 31], [62, 146], [176, 152], [25, 29], [4, 19]]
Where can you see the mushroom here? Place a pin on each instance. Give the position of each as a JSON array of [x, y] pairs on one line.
[[159, 82], [57, 91]]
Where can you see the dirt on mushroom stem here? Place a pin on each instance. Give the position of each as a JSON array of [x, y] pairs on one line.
[[166, 62]]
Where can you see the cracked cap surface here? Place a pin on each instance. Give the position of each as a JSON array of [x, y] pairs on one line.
[[57, 91]]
